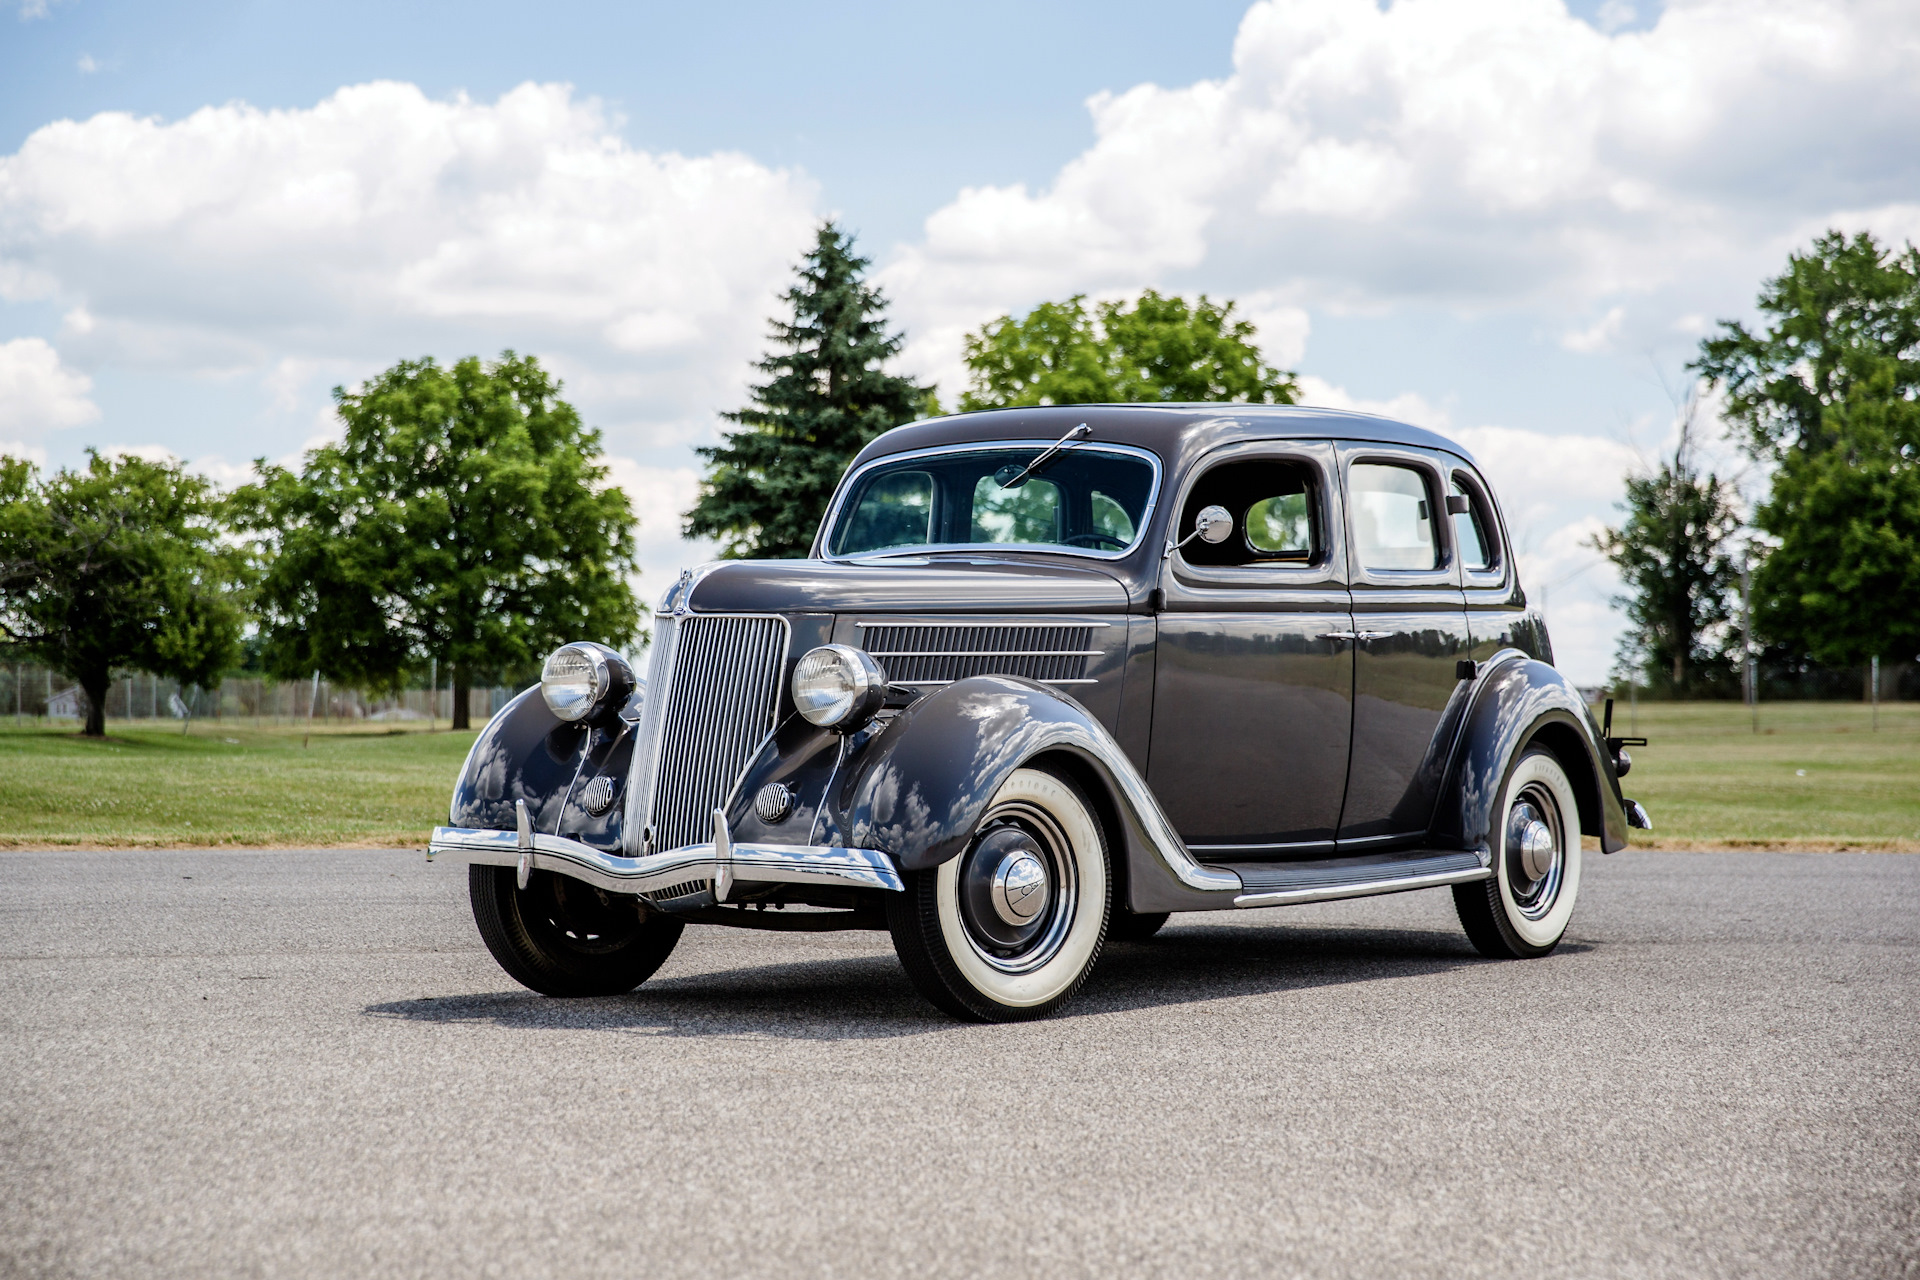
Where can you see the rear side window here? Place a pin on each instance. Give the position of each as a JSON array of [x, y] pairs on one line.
[[1470, 530], [1392, 517]]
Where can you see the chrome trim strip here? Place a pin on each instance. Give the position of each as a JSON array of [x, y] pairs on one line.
[[931, 684], [739, 863], [845, 487], [914, 621], [986, 653], [1361, 888], [1139, 798]]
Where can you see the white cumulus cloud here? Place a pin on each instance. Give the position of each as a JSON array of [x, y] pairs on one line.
[[1470, 153], [381, 223], [38, 393]]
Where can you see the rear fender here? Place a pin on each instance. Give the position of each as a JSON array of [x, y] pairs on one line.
[[1521, 702]]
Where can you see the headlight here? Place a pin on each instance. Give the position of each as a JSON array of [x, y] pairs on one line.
[[579, 679], [838, 687]]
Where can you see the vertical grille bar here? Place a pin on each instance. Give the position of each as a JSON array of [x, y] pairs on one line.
[[711, 699]]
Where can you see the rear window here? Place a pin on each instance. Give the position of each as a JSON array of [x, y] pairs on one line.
[[1086, 498]]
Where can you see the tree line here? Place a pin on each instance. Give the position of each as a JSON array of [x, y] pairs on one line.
[[464, 519], [1824, 395]]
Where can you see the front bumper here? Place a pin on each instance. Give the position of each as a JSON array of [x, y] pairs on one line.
[[692, 876]]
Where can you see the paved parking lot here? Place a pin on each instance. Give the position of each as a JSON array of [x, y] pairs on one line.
[[304, 1064]]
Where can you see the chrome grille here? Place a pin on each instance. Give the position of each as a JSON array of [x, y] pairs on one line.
[[918, 654], [713, 691]]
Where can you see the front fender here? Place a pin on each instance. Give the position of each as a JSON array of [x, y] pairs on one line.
[[527, 753], [1521, 701], [918, 788]]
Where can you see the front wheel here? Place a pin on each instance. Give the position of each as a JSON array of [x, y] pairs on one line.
[[1523, 910], [563, 937], [1009, 930]]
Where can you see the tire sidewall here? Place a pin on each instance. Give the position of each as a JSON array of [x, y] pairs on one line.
[[1063, 972], [1537, 937]]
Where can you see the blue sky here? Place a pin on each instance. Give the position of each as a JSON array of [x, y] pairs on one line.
[[1504, 218]]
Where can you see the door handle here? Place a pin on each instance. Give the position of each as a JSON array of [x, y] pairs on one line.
[[1339, 635], [1365, 636]]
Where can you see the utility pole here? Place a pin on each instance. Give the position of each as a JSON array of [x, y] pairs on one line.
[[1751, 674], [433, 696]]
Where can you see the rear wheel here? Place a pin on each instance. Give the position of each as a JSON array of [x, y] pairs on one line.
[[564, 937], [1523, 910], [1008, 930]]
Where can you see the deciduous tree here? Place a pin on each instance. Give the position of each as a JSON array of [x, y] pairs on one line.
[[1154, 349], [116, 564], [464, 517], [1828, 390], [1672, 554]]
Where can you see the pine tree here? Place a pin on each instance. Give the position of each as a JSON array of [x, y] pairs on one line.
[[768, 485]]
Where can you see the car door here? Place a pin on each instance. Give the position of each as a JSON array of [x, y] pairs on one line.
[[1410, 618], [1253, 673]]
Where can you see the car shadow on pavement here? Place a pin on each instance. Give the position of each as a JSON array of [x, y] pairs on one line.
[[868, 997]]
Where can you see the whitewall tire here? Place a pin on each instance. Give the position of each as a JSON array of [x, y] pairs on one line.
[[1010, 928], [1524, 909]]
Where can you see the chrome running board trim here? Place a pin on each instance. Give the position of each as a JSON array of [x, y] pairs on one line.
[[730, 865], [1361, 888]]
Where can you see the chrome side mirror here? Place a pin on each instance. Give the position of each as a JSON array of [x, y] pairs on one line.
[[1214, 525]]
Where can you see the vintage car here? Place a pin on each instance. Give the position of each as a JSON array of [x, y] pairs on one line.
[[1049, 675]]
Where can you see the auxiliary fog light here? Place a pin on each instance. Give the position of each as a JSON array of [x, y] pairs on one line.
[[838, 687]]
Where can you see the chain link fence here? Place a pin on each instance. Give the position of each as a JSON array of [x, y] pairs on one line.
[[29, 692]]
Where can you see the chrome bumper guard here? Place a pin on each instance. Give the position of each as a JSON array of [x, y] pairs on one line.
[[687, 878]]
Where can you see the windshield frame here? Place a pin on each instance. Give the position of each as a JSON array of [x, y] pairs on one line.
[[850, 481]]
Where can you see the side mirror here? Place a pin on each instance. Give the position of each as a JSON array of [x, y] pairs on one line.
[[1214, 525]]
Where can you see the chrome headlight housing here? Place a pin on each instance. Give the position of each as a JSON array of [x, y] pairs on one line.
[[583, 678], [838, 687]]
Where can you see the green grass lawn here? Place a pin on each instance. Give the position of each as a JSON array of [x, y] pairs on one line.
[[224, 783], [1707, 779], [1814, 777]]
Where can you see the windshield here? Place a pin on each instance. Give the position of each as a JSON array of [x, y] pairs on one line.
[[1086, 497]]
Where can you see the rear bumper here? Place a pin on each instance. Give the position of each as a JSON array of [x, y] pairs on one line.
[[694, 872]]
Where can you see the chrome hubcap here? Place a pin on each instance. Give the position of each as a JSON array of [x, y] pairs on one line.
[[1535, 859], [1019, 888]]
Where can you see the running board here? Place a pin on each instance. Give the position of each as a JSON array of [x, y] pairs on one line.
[[1275, 884]]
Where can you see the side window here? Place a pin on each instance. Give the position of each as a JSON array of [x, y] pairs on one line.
[[1030, 513], [1275, 507], [1392, 518], [1470, 530]]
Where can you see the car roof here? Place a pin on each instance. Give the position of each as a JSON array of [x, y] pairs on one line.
[[1173, 431]]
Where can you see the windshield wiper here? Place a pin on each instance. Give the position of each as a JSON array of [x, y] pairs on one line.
[[1021, 476]]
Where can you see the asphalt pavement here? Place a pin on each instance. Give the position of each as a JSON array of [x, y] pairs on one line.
[[304, 1064]]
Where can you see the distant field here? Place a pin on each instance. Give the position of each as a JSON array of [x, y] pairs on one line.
[[1707, 779], [1815, 776], [224, 784]]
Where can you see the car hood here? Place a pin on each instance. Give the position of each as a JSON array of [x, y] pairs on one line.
[[904, 585]]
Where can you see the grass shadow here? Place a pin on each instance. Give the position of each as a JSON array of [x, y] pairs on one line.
[[869, 997]]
